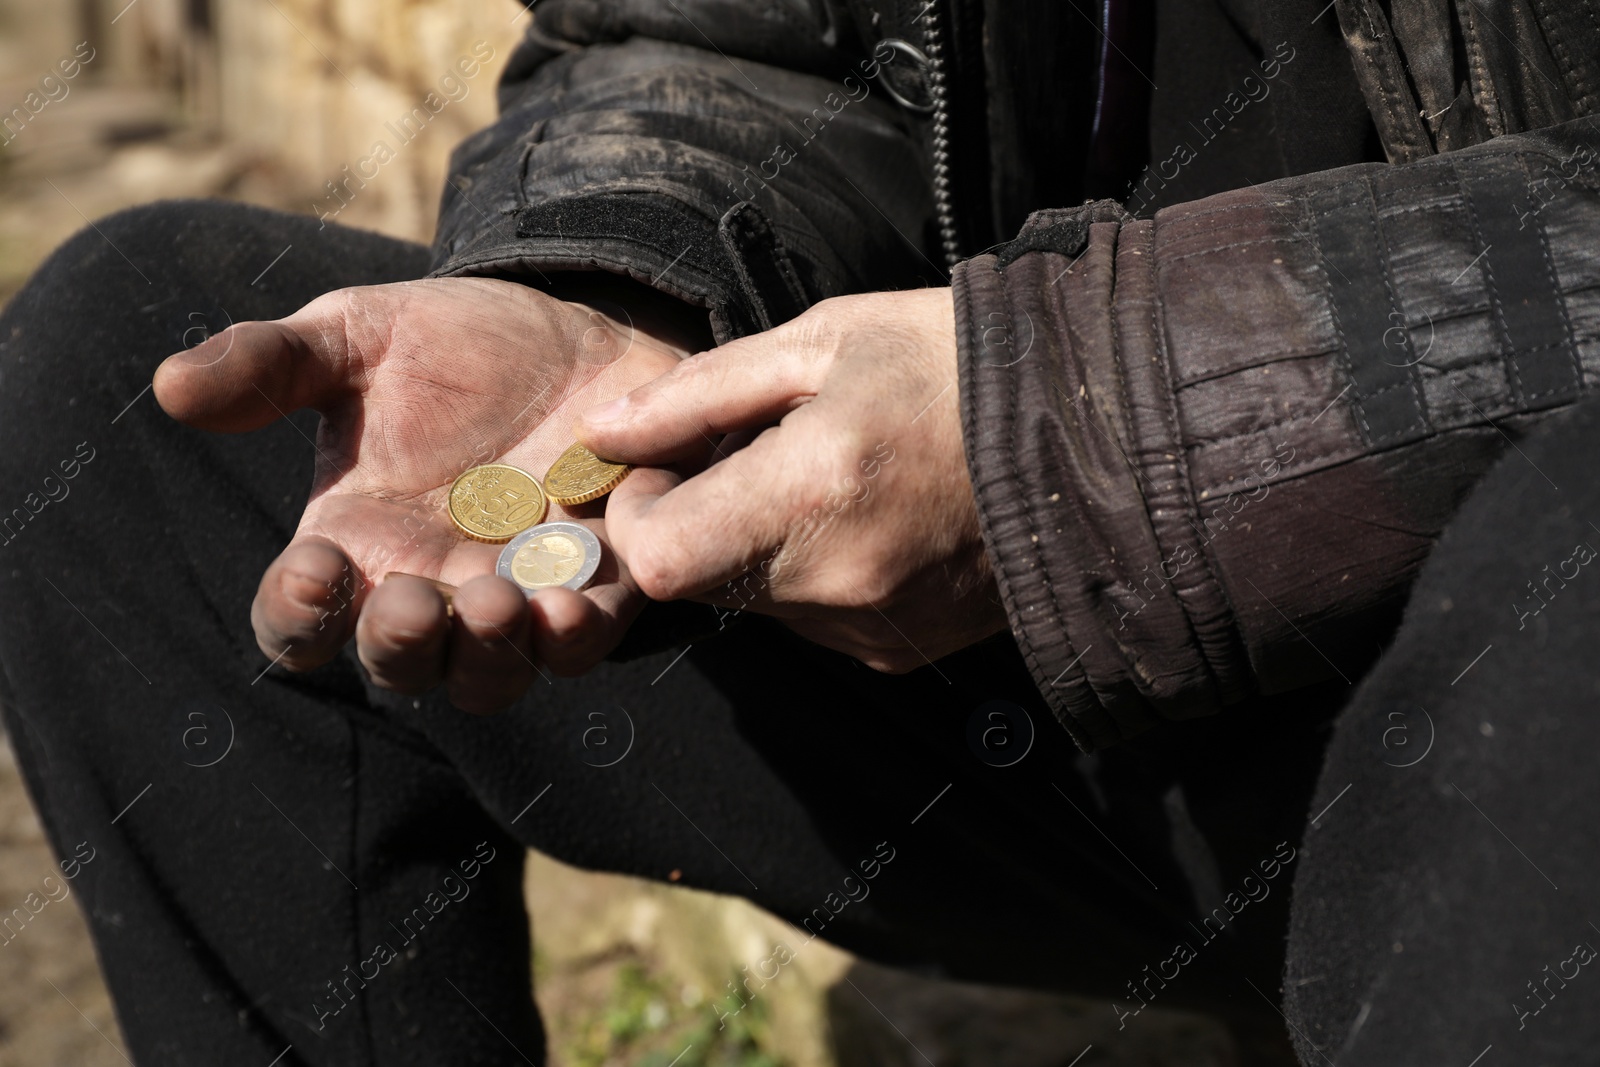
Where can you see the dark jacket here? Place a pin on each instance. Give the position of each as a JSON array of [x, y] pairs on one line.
[[1216, 419]]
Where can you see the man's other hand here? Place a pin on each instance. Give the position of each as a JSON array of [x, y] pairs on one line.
[[850, 515]]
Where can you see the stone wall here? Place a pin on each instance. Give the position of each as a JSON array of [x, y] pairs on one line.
[[331, 89], [298, 94]]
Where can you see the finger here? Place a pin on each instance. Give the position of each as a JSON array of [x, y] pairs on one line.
[[254, 373], [572, 631], [403, 634], [716, 526], [306, 606], [738, 439], [491, 661], [744, 383]]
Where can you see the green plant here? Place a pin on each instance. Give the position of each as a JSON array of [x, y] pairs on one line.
[[649, 1021]]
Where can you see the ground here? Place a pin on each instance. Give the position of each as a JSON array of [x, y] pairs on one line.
[[626, 973]]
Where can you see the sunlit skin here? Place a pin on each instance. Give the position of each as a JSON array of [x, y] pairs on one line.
[[417, 381], [894, 571]]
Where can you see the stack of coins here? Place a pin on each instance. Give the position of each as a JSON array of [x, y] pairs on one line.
[[498, 503]]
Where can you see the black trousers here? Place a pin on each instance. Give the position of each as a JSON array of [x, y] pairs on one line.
[[270, 860]]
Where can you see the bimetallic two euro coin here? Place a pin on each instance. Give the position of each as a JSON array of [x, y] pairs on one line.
[[551, 554], [494, 502], [578, 476]]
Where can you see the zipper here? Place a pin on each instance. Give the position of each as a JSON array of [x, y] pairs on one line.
[[939, 96]]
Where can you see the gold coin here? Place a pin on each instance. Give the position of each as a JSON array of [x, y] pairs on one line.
[[549, 559], [579, 475], [495, 502]]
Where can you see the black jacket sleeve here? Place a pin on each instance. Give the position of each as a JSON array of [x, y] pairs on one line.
[[746, 159], [1210, 450]]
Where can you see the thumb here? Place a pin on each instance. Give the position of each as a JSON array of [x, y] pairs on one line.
[[748, 382], [254, 373]]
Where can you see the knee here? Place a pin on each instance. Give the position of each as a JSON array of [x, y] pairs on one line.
[[101, 309], [75, 309], [121, 252]]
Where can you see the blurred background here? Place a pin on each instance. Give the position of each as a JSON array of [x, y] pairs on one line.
[[267, 101], [258, 100]]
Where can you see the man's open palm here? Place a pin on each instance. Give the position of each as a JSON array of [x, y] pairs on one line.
[[417, 382]]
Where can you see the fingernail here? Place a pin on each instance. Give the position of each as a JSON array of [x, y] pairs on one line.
[[607, 412], [305, 592]]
